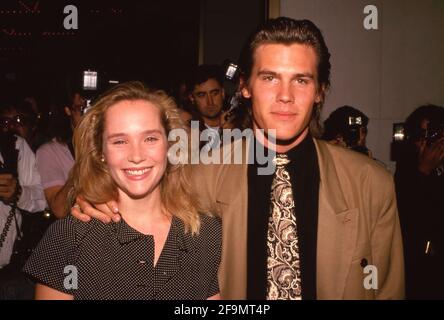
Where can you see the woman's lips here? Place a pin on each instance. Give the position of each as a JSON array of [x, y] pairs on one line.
[[137, 173]]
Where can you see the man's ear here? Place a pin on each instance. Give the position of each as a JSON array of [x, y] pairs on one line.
[[320, 93], [246, 93], [191, 98], [68, 111]]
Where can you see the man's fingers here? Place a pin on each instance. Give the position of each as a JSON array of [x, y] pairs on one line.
[[104, 208], [112, 206], [88, 209], [75, 211]]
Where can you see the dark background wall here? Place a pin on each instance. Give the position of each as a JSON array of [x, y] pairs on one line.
[[153, 41], [226, 25]]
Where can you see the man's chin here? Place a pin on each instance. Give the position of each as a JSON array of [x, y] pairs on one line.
[[212, 116]]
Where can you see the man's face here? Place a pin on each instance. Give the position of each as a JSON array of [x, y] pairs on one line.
[[75, 110], [283, 89], [208, 97], [16, 123]]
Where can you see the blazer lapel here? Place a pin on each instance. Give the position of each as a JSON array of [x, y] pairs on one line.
[[232, 200], [337, 230]]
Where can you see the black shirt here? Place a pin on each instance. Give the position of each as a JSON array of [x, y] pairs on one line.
[[304, 173], [114, 261], [420, 200]]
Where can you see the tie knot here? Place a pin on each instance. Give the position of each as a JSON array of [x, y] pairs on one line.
[[281, 160]]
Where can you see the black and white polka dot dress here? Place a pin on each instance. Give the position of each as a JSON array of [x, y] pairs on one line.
[[113, 261]]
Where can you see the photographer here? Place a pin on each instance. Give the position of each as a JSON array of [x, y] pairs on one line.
[[20, 189], [347, 127], [420, 188], [20, 118]]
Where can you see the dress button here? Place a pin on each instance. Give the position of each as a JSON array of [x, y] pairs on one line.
[[364, 262]]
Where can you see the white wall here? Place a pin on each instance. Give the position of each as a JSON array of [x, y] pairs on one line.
[[386, 73]]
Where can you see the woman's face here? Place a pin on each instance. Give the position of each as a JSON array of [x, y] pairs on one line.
[[135, 147]]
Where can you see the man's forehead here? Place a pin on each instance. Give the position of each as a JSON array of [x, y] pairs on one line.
[[207, 85], [285, 58], [271, 49], [9, 113]]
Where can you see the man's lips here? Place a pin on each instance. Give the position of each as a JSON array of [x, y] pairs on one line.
[[284, 115]]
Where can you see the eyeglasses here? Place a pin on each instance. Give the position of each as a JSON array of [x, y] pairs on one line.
[[16, 121]]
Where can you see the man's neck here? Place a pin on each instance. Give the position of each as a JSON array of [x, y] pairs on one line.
[[275, 145], [212, 122]]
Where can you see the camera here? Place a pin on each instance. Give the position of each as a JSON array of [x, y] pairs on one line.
[[231, 85], [398, 132], [352, 132], [434, 132]]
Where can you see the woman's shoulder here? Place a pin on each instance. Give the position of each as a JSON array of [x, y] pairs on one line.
[[73, 228], [210, 225]]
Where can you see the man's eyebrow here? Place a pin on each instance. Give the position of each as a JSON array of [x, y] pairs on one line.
[[297, 75], [304, 75], [266, 72]]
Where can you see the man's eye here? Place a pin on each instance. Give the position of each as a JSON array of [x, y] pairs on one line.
[[119, 142], [268, 78], [200, 95], [302, 81]]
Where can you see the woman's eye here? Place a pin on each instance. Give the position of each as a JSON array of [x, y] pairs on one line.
[[151, 139]]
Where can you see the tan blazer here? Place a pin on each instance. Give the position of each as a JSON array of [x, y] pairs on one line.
[[358, 219]]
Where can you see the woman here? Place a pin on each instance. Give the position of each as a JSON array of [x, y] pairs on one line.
[[161, 248]]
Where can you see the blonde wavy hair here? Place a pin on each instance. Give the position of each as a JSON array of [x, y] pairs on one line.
[[90, 178]]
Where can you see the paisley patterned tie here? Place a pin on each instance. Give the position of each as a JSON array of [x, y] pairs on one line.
[[283, 269]]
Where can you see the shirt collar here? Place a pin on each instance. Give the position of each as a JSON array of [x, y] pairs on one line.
[[304, 151], [126, 234]]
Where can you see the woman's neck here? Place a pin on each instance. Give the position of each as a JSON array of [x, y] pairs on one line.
[[143, 214]]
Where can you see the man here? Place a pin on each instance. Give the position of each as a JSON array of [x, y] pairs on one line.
[[21, 119], [419, 182], [19, 189], [342, 217], [56, 157], [347, 126], [206, 94]]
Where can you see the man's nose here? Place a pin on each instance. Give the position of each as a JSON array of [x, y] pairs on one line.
[[285, 93], [210, 100]]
